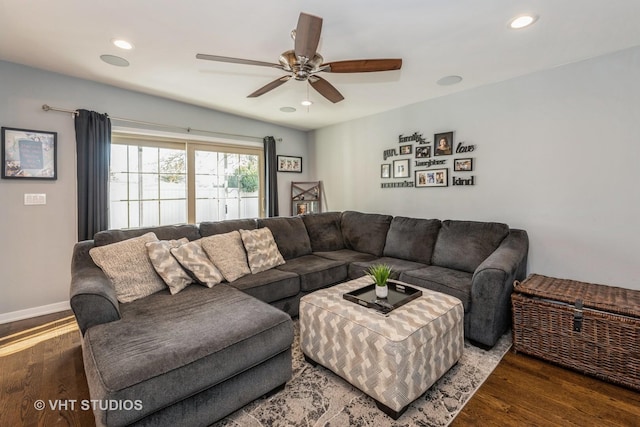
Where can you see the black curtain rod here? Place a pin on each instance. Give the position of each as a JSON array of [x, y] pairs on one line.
[[46, 107]]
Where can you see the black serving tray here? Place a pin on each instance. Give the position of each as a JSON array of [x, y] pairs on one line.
[[399, 294]]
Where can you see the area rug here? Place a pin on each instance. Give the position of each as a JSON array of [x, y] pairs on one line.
[[316, 397]]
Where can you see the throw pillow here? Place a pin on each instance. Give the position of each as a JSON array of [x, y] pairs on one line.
[[129, 268], [167, 266], [227, 253], [262, 251], [192, 257]]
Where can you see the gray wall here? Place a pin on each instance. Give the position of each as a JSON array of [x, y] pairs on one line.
[[557, 155], [37, 240]]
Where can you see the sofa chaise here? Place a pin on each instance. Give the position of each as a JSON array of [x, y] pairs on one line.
[[202, 353]]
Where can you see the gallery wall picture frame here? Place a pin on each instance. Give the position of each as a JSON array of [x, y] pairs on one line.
[[289, 164], [432, 178], [463, 165], [29, 154], [443, 144], [401, 168], [423, 151], [406, 149], [385, 170]]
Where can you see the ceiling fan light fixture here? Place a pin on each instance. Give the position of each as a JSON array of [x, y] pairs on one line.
[[522, 21], [122, 44]]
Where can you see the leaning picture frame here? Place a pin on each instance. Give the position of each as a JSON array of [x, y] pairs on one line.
[[401, 168], [432, 178], [29, 154], [289, 164]]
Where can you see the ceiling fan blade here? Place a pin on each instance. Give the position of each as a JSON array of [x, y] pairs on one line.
[[307, 35], [325, 89], [237, 60], [362, 65], [266, 88]]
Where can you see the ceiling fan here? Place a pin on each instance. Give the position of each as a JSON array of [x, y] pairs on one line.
[[304, 63]]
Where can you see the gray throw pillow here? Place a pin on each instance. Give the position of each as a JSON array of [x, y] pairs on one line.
[[167, 266], [192, 257], [227, 253], [262, 251], [129, 268]]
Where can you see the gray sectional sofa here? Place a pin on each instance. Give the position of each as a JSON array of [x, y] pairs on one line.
[[204, 352]]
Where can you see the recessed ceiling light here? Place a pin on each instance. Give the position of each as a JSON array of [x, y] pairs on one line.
[[115, 60], [522, 21], [288, 109], [306, 103], [449, 80], [122, 44]]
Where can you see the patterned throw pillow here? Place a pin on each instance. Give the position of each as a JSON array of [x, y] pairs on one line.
[[167, 266], [129, 268], [192, 257], [262, 250], [227, 253]]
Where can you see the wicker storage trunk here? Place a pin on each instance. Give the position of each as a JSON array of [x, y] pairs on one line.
[[594, 329]]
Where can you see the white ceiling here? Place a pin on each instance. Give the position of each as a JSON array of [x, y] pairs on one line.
[[435, 38]]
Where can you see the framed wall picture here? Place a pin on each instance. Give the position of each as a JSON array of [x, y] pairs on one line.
[[423, 151], [385, 170], [289, 164], [443, 144], [406, 149], [463, 165], [432, 178], [29, 154], [401, 168]]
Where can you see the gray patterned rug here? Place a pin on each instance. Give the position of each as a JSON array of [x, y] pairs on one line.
[[317, 397]]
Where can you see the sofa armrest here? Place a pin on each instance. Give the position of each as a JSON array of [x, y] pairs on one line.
[[93, 298], [492, 285]]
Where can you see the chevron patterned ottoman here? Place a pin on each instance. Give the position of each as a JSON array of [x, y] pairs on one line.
[[393, 358]]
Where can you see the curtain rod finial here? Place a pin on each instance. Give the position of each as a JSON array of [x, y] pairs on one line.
[[45, 107]]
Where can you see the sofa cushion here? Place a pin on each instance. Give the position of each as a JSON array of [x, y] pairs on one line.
[[168, 347], [167, 266], [451, 282], [316, 272], [269, 285], [192, 257], [228, 254], [324, 231], [290, 235], [346, 255], [364, 232], [412, 239], [359, 268], [262, 251], [163, 232], [127, 265], [463, 245], [209, 228]]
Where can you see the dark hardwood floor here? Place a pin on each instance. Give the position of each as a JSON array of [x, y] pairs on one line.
[[41, 359]]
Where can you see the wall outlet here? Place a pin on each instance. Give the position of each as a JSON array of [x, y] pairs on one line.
[[35, 199]]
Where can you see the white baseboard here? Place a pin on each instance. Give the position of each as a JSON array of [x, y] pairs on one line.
[[34, 312]]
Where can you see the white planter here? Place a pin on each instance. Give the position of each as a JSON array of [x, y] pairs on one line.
[[382, 291]]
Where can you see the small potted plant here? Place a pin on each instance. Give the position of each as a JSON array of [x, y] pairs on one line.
[[380, 273]]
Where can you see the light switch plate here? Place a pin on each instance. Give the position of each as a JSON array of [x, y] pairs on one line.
[[35, 199]]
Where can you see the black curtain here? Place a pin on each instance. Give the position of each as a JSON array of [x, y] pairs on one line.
[[93, 148], [271, 175]]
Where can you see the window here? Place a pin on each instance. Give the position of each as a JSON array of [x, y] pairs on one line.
[[161, 182]]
